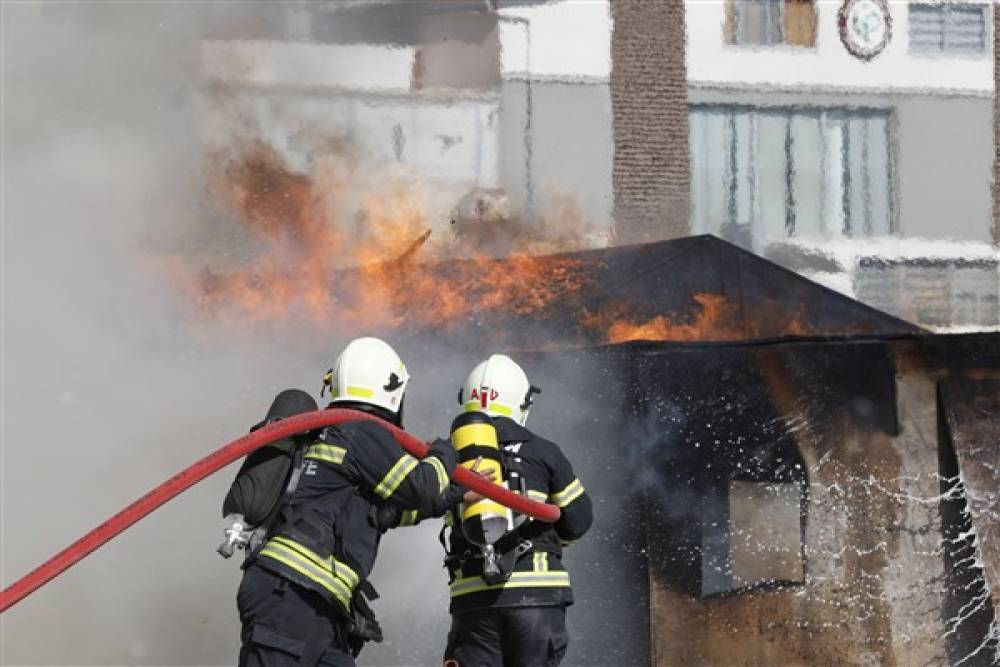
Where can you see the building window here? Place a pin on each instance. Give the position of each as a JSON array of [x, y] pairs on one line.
[[789, 172], [952, 27], [932, 291], [765, 22]]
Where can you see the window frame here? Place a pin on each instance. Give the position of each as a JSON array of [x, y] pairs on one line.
[[731, 28], [986, 11], [789, 111]]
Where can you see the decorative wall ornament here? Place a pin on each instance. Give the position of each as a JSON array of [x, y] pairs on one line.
[[865, 27]]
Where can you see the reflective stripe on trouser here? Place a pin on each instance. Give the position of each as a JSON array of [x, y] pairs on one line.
[[335, 577]]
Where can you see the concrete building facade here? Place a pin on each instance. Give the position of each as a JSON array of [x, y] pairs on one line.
[[749, 120], [798, 147]]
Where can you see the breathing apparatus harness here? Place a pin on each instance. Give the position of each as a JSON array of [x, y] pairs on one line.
[[251, 520], [360, 623], [501, 536]]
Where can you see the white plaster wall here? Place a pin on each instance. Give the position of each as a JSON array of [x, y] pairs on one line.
[[828, 64], [567, 39], [296, 89], [440, 139]]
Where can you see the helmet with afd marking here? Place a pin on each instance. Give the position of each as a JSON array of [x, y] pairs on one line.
[[499, 388]]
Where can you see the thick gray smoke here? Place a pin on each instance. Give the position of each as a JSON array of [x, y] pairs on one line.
[[108, 389]]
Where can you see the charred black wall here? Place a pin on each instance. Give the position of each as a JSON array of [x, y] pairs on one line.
[[967, 609], [708, 422], [669, 437]]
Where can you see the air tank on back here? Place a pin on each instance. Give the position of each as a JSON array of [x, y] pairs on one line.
[[475, 438]]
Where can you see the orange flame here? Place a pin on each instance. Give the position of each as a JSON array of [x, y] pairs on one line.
[[301, 243], [715, 320], [296, 257]]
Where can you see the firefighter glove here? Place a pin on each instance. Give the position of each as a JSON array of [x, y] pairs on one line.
[[444, 451], [387, 516]]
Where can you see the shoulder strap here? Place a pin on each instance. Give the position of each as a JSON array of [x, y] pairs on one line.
[[298, 464], [267, 526], [513, 468], [514, 472]]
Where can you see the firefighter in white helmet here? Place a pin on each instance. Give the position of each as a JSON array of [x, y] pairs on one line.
[[514, 614], [303, 597], [499, 388]]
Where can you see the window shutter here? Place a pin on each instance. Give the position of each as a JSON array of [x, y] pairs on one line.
[[948, 28], [800, 22]]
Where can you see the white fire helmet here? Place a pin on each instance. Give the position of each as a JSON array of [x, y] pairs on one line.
[[368, 371], [499, 388]]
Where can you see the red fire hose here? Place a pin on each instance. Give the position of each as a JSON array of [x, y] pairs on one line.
[[220, 458]]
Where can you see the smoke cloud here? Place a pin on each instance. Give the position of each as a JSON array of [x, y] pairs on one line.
[[110, 383]]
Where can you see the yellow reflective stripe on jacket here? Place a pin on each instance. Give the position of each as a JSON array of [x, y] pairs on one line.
[[395, 476], [572, 491], [541, 562], [442, 474], [324, 452], [409, 518], [339, 569], [539, 577], [538, 495], [553, 579], [307, 568]]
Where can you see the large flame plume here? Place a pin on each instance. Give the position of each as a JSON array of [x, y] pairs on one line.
[[343, 253], [333, 251]]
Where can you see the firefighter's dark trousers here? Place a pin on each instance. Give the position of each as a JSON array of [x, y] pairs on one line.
[[285, 624], [508, 637]]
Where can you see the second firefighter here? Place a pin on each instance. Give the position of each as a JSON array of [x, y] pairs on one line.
[[509, 587]]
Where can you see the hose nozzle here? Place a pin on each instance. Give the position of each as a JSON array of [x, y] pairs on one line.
[[237, 536]]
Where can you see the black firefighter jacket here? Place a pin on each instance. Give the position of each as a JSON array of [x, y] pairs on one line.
[[328, 536], [539, 577]]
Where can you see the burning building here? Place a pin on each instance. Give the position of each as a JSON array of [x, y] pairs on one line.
[[782, 475], [790, 501]]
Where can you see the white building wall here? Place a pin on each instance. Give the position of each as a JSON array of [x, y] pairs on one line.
[[359, 91], [567, 39], [556, 121], [940, 145], [828, 65]]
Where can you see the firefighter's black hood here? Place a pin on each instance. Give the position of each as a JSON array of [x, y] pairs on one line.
[[509, 430]]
